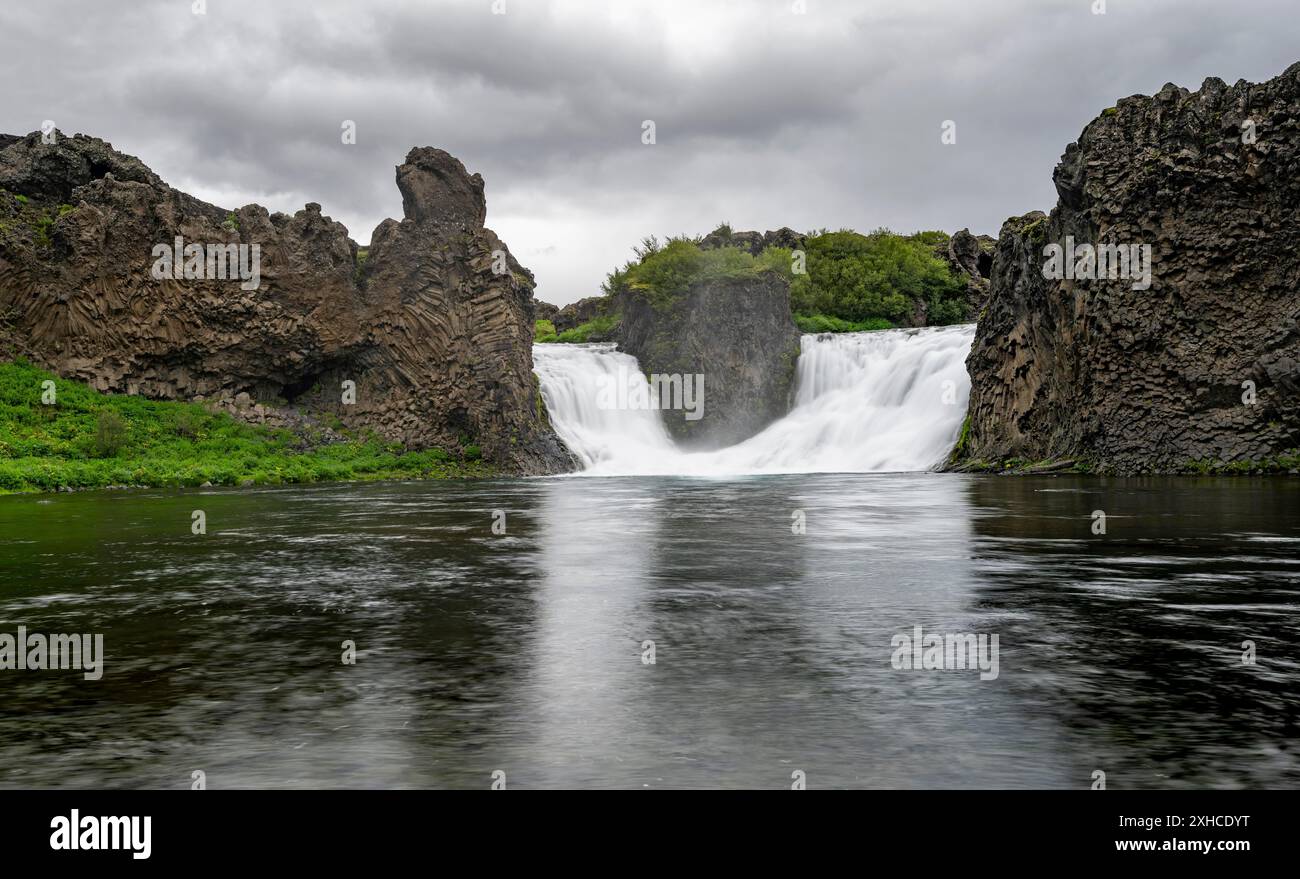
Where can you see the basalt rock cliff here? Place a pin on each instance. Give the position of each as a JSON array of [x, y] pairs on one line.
[[433, 325], [1202, 369], [737, 333]]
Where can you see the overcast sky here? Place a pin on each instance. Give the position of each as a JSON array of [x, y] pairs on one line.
[[763, 117]]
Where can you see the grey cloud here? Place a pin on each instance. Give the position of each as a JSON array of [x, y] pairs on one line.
[[763, 118]]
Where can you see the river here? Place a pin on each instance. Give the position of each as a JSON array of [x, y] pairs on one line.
[[525, 651]]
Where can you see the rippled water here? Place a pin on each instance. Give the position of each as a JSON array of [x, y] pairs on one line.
[[523, 652]]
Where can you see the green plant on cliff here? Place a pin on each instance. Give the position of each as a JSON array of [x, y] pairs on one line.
[[358, 275], [87, 439], [666, 272], [857, 277], [543, 331], [823, 323], [963, 439], [41, 231], [600, 326]]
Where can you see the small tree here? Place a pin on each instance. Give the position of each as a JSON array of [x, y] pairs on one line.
[[110, 434]]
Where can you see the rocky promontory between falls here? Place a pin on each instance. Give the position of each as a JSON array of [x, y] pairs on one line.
[[1162, 332], [424, 339], [737, 334]]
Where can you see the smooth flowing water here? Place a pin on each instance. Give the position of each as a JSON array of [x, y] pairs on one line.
[[523, 652], [864, 402]]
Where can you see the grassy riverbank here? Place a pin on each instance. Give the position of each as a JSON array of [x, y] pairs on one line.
[[85, 439]]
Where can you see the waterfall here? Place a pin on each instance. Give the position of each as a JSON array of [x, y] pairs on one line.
[[891, 400]]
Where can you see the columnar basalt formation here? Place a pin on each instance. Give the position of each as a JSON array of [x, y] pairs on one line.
[[432, 326], [1198, 369]]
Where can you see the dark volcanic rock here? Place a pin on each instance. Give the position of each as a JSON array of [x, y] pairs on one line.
[[1152, 379], [544, 310], [436, 188], [754, 242], [971, 256], [738, 334], [438, 344], [576, 314]]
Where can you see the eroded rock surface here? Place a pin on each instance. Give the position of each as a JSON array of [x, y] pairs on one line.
[[1204, 365], [436, 339], [738, 334]]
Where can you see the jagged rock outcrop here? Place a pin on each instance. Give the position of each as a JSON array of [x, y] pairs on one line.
[[737, 333], [545, 310], [753, 242], [434, 326], [1201, 366], [971, 256], [575, 314]]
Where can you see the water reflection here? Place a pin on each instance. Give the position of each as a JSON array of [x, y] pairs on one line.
[[522, 652], [1133, 639]]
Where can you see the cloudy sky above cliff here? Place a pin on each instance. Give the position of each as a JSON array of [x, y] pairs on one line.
[[764, 117]]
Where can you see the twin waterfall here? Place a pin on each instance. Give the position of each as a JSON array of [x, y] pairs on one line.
[[891, 400]]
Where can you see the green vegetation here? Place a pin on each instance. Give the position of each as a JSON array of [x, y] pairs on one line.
[[601, 326], [231, 222], [595, 329], [849, 282], [87, 440], [1286, 462], [42, 231], [959, 450], [362, 254], [857, 277], [665, 272], [31, 222], [824, 323], [543, 331]]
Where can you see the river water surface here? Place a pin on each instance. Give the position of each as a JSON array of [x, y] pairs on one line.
[[524, 652]]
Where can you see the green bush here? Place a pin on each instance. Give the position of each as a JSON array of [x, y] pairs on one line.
[[543, 331], [110, 434], [665, 273], [824, 323], [863, 281], [601, 326], [878, 276]]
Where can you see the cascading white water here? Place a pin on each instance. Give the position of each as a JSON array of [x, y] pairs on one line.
[[891, 400]]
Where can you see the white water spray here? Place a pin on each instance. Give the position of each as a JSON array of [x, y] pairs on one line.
[[892, 400]]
